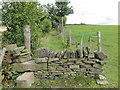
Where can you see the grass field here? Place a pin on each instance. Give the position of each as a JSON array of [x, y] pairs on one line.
[[109, 38]]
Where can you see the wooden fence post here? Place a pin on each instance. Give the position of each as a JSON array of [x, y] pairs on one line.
[[81, 46], [70, 39], [0, 40], [99, 41], [27, 37]]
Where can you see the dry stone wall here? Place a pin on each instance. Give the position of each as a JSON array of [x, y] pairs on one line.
[[54, 65], [69, 63]]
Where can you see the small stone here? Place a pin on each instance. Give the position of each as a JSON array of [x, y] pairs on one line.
[[102, 82], [53, 59], [24, 51], [22, 54], [101, 77], [95, 72]]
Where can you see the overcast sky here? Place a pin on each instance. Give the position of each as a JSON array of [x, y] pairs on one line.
[[101, 12]]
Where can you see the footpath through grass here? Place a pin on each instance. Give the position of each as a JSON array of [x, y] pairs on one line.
[[109, 39]]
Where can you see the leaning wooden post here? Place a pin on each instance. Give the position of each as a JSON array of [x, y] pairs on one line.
[[99, 41], [27, 37], [81, 46], [70, 39]]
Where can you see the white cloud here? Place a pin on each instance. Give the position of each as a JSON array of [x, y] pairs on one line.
[[92, 11]]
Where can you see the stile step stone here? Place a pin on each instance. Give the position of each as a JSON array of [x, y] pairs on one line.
[[29, 66], [25, 80]]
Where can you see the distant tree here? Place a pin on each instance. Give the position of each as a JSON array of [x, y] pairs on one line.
[[62, 8], [58, 12]]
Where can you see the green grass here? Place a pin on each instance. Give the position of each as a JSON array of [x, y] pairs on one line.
[[109, 40], [53, 40]]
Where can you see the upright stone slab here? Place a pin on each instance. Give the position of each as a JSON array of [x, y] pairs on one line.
[[0, 40], [78, 53], [2, 53], [25, 80], [42, 52], [99, 55]]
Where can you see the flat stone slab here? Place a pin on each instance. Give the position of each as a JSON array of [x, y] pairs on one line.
[[25, 80], [53, 59], [41, 60], [74, 66], [29, 66], [18, 49], [23, 59]]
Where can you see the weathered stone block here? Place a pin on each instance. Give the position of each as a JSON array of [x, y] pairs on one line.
[[29, 66], [42, 52], [11, 47], [18, 49], [21, 59], [25, 80], [99, 55], [41, 60], [52, 68]]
